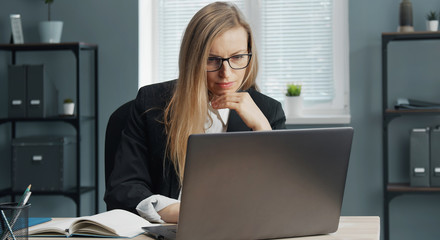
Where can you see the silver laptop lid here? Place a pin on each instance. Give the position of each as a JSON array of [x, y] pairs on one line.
[[259, 185]]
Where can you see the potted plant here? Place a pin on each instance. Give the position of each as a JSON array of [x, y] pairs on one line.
[[50, 31], [68, 106], [432, 21], [293, 100]]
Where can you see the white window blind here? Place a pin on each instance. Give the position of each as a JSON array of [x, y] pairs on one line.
[[173, 17], [296, 46], [299, 41]]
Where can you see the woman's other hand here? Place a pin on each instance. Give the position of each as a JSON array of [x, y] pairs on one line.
[[170, 214]]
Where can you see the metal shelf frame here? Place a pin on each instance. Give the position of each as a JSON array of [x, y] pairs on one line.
[[76, 48], [392, 190]]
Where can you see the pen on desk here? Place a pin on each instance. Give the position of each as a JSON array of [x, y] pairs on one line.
[[5, 234]]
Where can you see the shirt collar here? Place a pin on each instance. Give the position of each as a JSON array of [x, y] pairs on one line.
[[222, 114]]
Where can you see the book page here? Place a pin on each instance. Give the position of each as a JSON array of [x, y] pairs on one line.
[[116, 222], [52, 228]]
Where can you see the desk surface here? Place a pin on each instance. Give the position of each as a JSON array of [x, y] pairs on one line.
[[353, 228]]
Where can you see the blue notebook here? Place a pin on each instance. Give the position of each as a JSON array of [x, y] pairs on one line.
[[35, 221]]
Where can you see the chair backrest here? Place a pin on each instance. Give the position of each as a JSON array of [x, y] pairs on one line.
[[116, 123]]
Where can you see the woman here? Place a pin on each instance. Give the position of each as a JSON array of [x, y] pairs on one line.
[[215, 92]]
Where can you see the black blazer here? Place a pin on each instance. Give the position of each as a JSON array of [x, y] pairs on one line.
[[139, 169]]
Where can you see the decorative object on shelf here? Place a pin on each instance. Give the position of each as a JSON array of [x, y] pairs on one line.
[[432, 21], [405, 17], [50, 31], [293, 100], [17, 31], [68, 106]]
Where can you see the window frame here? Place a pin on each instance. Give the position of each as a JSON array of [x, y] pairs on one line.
[[336, 112]]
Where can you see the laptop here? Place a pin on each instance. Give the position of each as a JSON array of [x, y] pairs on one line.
[[262, 185]]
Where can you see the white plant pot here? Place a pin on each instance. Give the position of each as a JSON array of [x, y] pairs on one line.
[[432, 25], [50, 31], [69, 108], [293, 106]]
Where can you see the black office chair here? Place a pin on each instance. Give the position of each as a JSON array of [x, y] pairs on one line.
[[116, 123]]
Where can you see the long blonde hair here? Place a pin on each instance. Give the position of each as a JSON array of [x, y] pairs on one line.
[[187, 110]]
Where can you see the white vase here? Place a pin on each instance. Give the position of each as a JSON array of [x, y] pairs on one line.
[[293, 106], [50, 31], [432, 25], [69, 108]]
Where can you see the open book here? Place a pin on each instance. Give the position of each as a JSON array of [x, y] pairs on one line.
[[114, 223]]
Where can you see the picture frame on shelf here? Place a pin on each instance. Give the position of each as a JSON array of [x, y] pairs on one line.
[[16, 29]]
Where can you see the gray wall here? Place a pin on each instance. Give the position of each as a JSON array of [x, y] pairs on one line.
[[412, 73], [412, 67]]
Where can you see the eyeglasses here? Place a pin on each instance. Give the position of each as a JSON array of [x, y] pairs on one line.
[[236, 62]]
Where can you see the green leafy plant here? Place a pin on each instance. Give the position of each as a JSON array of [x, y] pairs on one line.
[[432, 15], [293, 90], [68, 100], [48, 2]]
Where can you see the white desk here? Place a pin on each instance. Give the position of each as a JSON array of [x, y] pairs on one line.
[[353, 228]]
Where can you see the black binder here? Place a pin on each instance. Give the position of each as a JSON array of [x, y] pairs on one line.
[[41, 93], [435, 157], [17, 91], [31, 94], [419, 157]]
